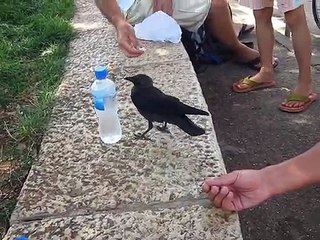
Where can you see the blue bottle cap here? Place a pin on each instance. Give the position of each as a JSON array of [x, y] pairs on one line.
[[99, 103], [101, 72], [21, 238]]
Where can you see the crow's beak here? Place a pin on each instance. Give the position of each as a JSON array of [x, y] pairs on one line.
[[129, 79]]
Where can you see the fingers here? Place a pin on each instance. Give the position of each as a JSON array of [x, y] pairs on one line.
[[219, 192], [205, 187], [135, 43], [129, 50], [228, 202], [222, 198], [219, 195], [223, 180], [127, 40], [129, 44], [212, 193]]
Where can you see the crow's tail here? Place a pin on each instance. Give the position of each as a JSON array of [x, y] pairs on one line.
[[188, 126]]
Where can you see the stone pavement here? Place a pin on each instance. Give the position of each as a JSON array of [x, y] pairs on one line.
[[82, 189]]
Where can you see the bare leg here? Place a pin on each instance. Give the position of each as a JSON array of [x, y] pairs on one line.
[[221, 26], [265, 39], [301, 40], [265, 36]]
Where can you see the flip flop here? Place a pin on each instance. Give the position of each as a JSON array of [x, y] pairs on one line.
[[252, 85], [254, 62], [294, 97], [244, 30]]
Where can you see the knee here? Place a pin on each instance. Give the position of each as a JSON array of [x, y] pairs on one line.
[[295, 16], [263, 15]]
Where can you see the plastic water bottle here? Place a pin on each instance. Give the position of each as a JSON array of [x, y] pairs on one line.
[[104, 95], [21, 238]]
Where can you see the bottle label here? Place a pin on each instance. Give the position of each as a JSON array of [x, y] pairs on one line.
[[99, 103], [102, 103]]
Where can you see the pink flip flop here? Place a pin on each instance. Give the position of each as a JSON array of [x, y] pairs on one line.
[[294, 97]]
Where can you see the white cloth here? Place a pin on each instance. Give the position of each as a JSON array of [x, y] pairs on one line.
[[159, 27], [189, 14], [125, 4]]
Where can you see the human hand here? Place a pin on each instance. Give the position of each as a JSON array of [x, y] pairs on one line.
[[127, 40], [163, 5], [237, 190]]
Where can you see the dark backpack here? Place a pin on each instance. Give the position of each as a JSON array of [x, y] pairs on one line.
[[203, 49]]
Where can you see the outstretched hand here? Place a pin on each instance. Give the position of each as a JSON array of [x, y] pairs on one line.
[[237, 190], [127, 40]]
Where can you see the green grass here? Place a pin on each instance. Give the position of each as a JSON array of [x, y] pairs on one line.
[[34, 38]]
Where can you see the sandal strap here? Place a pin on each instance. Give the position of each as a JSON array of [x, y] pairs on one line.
[[294, 97], [249, 82]]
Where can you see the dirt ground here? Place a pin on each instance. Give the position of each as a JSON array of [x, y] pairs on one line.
[[253, 133]]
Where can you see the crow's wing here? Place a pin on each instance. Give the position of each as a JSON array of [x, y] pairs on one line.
[[152, 100]]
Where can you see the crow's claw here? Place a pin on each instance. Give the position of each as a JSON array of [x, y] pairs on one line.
[[139, 136], [163, 129]]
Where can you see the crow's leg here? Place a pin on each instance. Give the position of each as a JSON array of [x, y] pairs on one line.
[[142, 136], [163, 128]]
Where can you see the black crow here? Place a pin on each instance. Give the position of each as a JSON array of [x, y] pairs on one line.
[[156, 106]]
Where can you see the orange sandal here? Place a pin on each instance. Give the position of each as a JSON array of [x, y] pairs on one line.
[[251, 85]]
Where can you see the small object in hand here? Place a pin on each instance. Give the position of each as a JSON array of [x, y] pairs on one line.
[[142, 48]]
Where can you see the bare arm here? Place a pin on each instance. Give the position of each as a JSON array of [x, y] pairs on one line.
[[243, 189], [126, 37], [110, 9], [300, 171]]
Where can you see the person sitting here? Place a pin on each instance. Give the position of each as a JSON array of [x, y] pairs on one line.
[[190, 15]]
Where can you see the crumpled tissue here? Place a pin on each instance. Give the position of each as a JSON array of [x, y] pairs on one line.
[[159, 27]]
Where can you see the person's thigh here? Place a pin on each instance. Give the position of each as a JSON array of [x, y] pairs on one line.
[[139, 11], [257, 4], [191, 14]]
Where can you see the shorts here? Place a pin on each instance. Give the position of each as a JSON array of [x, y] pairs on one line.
[[189, 14], [283, 5]]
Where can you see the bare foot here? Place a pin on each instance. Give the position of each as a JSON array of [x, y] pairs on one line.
[[245, 54], [251, 58], [301, 90]]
